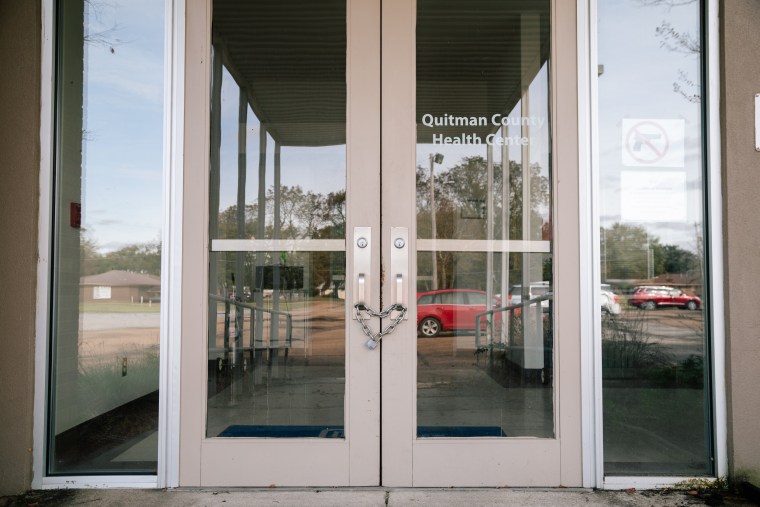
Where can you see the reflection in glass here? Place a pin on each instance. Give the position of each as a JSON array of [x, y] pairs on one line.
[[276, 337], [484, 263], [652, 187], [276, 366], [107, 251]]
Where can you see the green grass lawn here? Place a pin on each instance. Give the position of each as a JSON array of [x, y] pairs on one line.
[[119, 308], [286, 305]]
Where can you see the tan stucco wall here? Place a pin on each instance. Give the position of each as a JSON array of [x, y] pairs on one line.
[[741, 172], [19, 189]]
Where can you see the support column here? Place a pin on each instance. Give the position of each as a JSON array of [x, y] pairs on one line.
[[237, 347], [505, 220], [214, 179], [260, 257], [533, 335], [274, 320], [489, 233]]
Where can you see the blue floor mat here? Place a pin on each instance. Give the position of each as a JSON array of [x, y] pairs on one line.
[[268, 431], [460, 431], [252, 431]]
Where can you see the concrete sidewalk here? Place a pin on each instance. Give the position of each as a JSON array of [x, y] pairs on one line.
[[370, 497]]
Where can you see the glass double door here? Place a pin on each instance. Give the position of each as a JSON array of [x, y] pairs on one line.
[[372, 260]]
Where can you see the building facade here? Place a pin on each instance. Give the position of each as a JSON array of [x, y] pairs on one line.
[[360, 243]]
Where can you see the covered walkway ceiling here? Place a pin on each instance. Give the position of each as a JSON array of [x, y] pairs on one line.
[[291, 57]]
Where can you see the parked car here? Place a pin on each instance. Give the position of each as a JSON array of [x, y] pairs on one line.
[[536, 289], [641, 288], [610, 302], [450, 310], [649, 297]]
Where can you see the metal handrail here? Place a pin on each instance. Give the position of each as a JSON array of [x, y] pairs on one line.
[[510, 308], [230, 302]]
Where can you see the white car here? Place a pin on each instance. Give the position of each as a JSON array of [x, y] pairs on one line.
[[536, 289], [609, 300], [610, 303]]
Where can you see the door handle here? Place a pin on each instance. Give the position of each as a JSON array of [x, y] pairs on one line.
[[361, 282], [362, 265], [400, 265], [397, 311]]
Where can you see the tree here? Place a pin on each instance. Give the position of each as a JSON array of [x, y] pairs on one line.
[[309, 213], [625, 252], [91, 260], [675, 260], [461, 200], [334, 216], [227, 222], [302, 215], [679, 42], [138, 258], [625, 255], [292, 201]]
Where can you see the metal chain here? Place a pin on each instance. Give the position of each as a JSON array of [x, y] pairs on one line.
[[361, 309]]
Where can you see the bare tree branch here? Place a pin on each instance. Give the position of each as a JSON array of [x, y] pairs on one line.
[[103, 38], [679, 42], [667, 3]]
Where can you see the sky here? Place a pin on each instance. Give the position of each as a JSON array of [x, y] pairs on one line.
[[319, 169], [640, 73], [123, 109]]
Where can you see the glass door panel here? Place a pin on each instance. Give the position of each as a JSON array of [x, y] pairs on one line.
[[477, 363], [278, 386], [484, 249], [276, 325]]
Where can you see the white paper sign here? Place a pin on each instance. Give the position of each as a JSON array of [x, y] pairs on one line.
[[653, 143], [653, 196]]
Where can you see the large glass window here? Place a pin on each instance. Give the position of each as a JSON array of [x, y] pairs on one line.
[[103, 408], [655, 305]]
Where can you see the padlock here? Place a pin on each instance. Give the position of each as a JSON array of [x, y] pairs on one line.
[[371, 344]]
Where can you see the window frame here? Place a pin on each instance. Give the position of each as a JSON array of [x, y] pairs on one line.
[[592, 426], [172, 180]]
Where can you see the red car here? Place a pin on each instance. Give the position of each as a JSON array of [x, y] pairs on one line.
[[450, 310], [651, 297]]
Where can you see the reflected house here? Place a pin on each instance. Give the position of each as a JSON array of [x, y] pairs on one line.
[[118, 286]]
